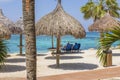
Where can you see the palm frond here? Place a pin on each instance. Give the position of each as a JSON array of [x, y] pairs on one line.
[[106, 42], [3, 51]]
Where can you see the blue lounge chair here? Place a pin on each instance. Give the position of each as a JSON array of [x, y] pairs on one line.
[[76, 47], [68, 47]]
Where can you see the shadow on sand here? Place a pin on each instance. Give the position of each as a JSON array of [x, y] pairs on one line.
[[64, 57], [37, 55], [75, 66], [12, 68], [15, 60], [80, 52], [116, 54]]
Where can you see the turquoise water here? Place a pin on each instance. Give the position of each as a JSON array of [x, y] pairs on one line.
[[44, 42]]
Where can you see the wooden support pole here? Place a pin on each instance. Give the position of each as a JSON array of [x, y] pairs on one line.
[[58, 52], [59, 1], [52, 42], [20, 46]]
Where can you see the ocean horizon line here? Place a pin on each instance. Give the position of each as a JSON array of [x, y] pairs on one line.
[[43, 42]]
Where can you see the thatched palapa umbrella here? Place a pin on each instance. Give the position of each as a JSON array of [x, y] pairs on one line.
[[59, 23], [8, 23], [4, 31], [20, 24], [104, 24]]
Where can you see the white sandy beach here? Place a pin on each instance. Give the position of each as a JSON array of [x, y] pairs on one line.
[[46, 64]]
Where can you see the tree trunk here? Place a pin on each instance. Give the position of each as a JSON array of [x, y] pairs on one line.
[[30, 39]]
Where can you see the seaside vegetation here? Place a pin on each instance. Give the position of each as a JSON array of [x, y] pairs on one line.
[[96, 10], [3, 51], [106, 42]]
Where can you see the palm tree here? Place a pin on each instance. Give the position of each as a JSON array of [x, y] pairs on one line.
[[106, 42], [30, 38], [97, 10], [3, 51], [112, 7]]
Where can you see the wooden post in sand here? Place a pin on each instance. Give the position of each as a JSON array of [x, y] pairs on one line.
[[21, 44], [58, 51]]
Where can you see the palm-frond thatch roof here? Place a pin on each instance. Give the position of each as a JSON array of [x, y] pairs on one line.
[[20, 24], [4, 31], [104, 24], [60, 23], [8, 23]]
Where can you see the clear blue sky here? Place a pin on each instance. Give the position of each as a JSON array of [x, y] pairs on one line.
[[13, 9]]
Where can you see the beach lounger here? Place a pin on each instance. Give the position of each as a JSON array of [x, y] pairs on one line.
[[72, 48], [76, 47], [67, 48]]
